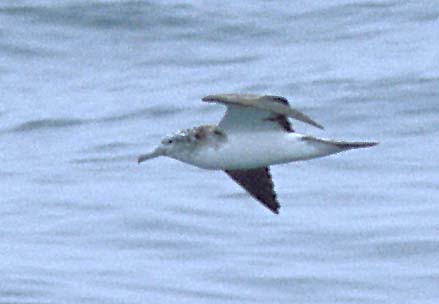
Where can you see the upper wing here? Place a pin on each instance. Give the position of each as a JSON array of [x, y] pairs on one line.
[[258, 183], [257, 112]]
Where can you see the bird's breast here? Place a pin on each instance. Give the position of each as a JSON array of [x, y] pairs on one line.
[[244, 151]]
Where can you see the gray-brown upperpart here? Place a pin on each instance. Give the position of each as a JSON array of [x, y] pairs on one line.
[[200, 134], [275, 104]]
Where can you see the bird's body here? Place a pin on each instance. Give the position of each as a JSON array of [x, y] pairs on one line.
[[254, 134], [217, 150]]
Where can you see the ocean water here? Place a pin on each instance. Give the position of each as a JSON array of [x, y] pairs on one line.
[[86, 86]]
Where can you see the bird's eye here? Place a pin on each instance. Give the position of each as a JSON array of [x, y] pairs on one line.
[[167, 141]]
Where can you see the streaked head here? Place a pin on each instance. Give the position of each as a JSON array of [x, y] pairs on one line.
[[183, 143], [169, 146]]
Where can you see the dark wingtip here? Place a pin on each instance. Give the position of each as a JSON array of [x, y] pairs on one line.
[[274, 209], [355, 145], [367, 144]]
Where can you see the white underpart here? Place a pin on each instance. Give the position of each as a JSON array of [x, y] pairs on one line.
[[245, 150]]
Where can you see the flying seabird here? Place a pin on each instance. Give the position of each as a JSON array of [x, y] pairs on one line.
[[254, 133]]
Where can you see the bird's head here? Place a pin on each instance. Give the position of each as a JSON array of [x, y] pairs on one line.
[[169, 146]]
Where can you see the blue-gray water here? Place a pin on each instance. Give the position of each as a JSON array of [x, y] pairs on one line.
[[85, 86]]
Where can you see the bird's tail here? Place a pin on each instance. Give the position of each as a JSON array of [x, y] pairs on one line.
[[346, 145], [342, 145]]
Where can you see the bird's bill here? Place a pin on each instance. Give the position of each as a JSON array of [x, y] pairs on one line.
[[151, 155]]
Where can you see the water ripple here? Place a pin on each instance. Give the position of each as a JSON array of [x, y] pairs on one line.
[[150, 112], [58, 123], [44, 124]]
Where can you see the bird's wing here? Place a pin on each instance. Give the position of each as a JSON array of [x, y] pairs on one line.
[[258, 183], [247, 111]]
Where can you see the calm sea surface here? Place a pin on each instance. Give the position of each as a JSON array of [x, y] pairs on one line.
[[86, 86]]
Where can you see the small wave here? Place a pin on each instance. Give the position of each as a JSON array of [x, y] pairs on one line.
[[142, 113], [90, 14], [214, 61], [99, 160], [43, 124], [114, 146], [25, 51], [56, 123]]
